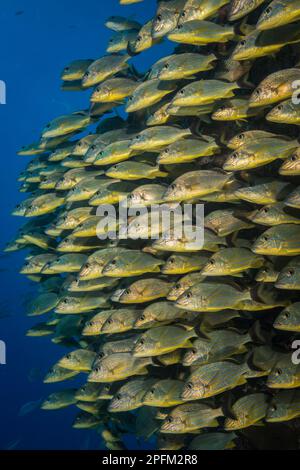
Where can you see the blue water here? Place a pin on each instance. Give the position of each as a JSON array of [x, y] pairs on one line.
[[37, 40]]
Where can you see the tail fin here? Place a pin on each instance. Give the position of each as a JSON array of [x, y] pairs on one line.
[[226, 402], [257, 335]]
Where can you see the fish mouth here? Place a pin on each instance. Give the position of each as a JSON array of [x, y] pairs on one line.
[[138, 352], [79, 425], [274, 419], [233, 14], [229, 165], [158, 30], [182, 302], [88, 332], [139, 324], [286, 169], [94, 377], [64, 364], [285, 284], [231, 425], [174, 294], [208, 270], [273, 383], [48, 380], [46, 406], [281, 326], [166, 429], [258, 248], [85, 274], [187, 361], [266, 23], [189, 393]]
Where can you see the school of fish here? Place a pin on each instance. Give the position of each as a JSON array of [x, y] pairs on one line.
[[192, 348]]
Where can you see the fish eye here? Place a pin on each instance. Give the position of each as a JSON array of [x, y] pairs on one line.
[[189, 385], [67, 68], [265, 210], [93, 147], [166, 66], [127, 291], [48, 125], [257, 91], [265, 238], [243, 42], [183, 13], [235, 155], [169, 420], [167, 150], [294, 158], [181, 92], [212, 262], [274, 408], [171, 260], [142, 342], [139, 38], [110, 321], [290, 272], [118, 396], [278, 372], [194, 351], [189, 295], [68, 356], [240, 137], [173, 186], [97, 369], [159, 18], [113, 262], [179, 26], [268, 10], [142, 317], [286, 315], [280, 107], [177, 285], [222, 108], [152, 391]]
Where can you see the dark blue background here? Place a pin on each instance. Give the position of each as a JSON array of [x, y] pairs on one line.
[[38, 38]]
